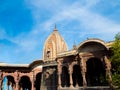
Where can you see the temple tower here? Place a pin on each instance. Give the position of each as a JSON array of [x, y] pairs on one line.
[[53, 45]]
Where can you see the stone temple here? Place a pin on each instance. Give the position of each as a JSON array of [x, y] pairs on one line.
[[84, 67]]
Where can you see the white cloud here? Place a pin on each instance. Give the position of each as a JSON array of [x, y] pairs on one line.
[[63, 13], [93, 22]]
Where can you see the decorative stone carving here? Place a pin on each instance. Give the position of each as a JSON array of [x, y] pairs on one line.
[[48, 53], [59, 67], [108, 68], [83, 70]]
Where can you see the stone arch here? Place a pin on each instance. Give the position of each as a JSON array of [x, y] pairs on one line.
[[25, 83], [77, 76], [92, 45], [9, 82], [38, 81], [96, 74], [65, 78]]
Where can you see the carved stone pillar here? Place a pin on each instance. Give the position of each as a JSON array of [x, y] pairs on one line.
[[32, 84], [17, 80], [1, 78], [108, 68], [83, 70], [59, 80], [0, 84], [70, 73], [21, 88], [17, 85], [59, 74], [32, 79], [13, 88]]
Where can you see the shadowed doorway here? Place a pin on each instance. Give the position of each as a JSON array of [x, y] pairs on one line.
[[96, 72], [25, 83], [65, 77], [77, 77], [38, 81]]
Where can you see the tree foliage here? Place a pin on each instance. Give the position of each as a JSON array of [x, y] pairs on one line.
[[115, 61]]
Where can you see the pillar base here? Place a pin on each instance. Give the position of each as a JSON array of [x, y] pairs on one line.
[[59, 87], [77, 86], [71, 86], [84, 85]]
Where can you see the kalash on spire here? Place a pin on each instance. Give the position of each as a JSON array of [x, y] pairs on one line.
[[55, 28]]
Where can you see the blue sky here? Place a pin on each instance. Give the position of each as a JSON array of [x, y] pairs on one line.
[[25, 24]]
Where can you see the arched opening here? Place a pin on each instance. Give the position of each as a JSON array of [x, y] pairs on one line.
[[51, 79], [8, 83], [65, 77], [38, 81], [77, 77], [95, 72], [25, 83]]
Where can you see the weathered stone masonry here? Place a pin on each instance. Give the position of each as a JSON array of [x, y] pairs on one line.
[[86, 65]]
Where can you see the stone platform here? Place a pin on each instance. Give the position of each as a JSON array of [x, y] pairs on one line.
[[87, 88]]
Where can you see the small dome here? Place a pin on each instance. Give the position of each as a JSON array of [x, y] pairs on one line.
[[53, 45]]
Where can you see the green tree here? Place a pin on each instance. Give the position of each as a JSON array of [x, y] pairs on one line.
[[115, 61]]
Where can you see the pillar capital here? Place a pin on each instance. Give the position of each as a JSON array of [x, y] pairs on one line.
[[70, 68], [59, 60], [59, 70], [107, 63], [83, 65]]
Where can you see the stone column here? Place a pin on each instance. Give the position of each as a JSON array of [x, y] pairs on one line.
[[108, 68], [17, 85], [83, 70], [21, 88], [32, 79], [32, 84], [43, 84], [59, 74], [70, 73], [17, 78], [1, 78], [0, 84], [59, 80]]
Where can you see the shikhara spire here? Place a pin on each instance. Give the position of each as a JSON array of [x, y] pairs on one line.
[[54, 44]]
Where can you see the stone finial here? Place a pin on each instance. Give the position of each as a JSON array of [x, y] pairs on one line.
[[55, 28], [74, 46]]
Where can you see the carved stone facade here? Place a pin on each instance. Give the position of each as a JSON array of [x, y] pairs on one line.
[[21, 77], [87, 65]]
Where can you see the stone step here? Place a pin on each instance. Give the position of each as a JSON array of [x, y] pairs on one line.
[[87, 88]]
